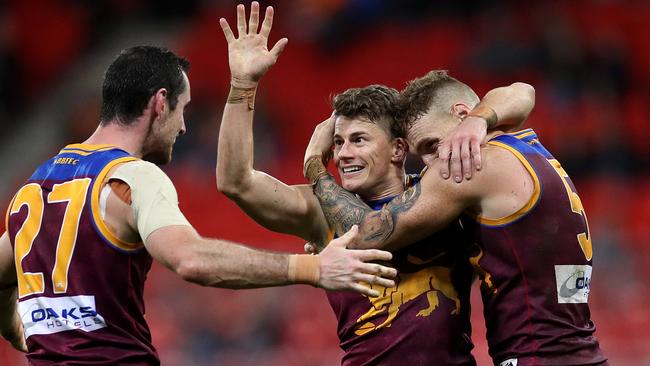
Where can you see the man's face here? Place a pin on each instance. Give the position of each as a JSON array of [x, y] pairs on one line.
[[362, 154], [159, 143], [426, 133]]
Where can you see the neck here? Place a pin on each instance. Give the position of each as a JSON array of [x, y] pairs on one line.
[[128, 138], [392, 186], [492, 134]]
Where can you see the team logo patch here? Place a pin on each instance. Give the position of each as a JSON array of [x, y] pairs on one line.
[[573, 283], [510, 362], [49, 315]]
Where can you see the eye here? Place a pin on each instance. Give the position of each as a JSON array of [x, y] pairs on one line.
[[359, 140], [338, 142]]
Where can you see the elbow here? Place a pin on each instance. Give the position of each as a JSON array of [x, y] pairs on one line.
[[191, 271], [231, 187]]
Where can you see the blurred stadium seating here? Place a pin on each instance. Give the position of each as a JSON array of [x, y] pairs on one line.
[[589, 62]]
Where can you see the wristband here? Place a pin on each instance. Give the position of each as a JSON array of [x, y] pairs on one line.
[[242, 95], [315, 169], [304, 268], [487, 113]]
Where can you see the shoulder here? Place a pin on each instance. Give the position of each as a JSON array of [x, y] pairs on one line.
[[143, 175]]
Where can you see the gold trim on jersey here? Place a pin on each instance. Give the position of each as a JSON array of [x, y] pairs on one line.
[[94, 200], [8, 213], [531, 202], [523, 133], [85, 149]]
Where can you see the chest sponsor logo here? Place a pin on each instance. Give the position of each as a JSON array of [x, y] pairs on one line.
[[510, 362], [573, 283], [49, 315]]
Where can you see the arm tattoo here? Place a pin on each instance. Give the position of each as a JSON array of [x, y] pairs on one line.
[[343, 209]]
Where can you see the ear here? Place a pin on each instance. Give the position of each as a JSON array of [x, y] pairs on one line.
[[159, 103], [460, 110], [400, 150]]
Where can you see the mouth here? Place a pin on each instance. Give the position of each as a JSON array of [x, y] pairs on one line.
[[351, 170]]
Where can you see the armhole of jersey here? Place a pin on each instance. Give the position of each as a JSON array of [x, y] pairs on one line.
[[528, 206], [98, 222], [11, 204]]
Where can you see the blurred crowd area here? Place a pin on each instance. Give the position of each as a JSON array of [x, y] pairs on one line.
[[589, 62]]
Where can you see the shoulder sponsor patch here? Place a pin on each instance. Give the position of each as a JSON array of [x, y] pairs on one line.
[[49, 315], [573, 283]]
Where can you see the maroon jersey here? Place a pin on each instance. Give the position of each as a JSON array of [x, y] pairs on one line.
[[535, 267], [424, 319], [80, 288]]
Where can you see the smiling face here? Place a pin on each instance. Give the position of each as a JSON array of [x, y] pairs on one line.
[[159, 143], [364, 155]]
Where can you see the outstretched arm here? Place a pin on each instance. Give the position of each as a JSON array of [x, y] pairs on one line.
[[11, 327], [270, 202], [504, 108], [218, 263]]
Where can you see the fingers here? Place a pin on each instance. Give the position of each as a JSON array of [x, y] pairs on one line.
[[370, 255], [465, 158], [476, 153], [378, 270], [444, 151], [364, 290], [267, 23], [375, 280], [279, 47], [241, 20], [254, 19], [226, 30], [454, 163], [346, 238]]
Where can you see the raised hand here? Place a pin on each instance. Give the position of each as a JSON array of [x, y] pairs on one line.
[[344, 269], [320, 143], [248, 55], [460, 151]]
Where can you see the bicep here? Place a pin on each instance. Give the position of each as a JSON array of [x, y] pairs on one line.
[[7, 268], [283, 208], [422, 210]]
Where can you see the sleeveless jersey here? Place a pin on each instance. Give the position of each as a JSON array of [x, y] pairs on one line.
[[80, 288], [424, 319], [535, 268]]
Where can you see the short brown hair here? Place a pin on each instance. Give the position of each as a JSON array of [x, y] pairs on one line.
[[436, 90], [373, 102]]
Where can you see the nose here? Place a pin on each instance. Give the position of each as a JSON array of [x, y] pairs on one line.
[[345, 151], [182, 130]]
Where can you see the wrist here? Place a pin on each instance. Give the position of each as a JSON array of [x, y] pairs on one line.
[[242, 95], [314, 169], [304, 268], [487, 114], [242, 82]]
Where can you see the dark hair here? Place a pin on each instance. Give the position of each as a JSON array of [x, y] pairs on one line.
[[435, 89], [134, 76], [373, 102]]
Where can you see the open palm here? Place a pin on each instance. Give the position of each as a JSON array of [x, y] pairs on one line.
[[248, 55]]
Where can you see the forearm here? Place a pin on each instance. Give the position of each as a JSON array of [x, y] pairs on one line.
[[235, 149], [511, 105]]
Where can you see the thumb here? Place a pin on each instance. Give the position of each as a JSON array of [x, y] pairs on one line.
[[279, 47], [348, 237]]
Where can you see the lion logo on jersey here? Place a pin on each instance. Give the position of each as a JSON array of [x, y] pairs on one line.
[[429, 281]]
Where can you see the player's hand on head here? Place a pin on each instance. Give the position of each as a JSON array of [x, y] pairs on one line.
[[460, 151], [15, 334], [320, 143], [248, 54], [345, 269]]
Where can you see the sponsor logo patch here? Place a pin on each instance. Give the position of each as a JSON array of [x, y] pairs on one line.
[[49, 315], [573, 283], [510, 362]]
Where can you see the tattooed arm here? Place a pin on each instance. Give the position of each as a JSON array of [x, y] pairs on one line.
[[499, 189]]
